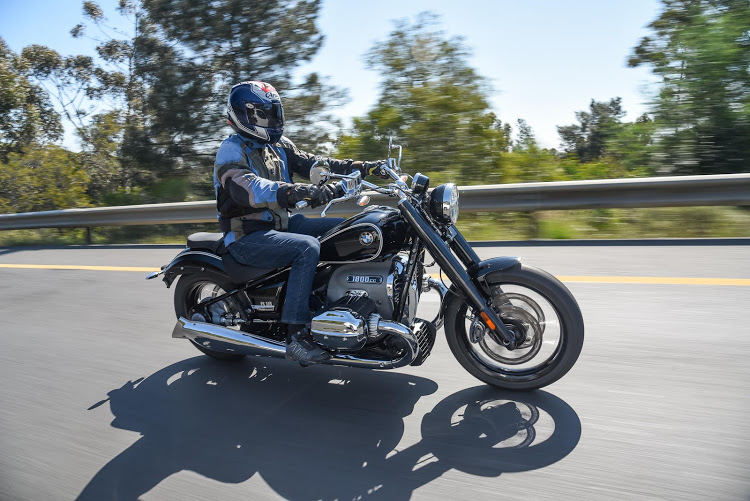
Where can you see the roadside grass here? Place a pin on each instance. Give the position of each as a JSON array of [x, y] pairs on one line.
[[671, 222]]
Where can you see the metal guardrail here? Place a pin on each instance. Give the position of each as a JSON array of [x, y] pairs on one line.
[[726, 189]]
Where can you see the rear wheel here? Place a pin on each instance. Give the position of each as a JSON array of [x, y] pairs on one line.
[[193, 289], [533, 304]]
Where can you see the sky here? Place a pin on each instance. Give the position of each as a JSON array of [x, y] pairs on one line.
[[544, 59]]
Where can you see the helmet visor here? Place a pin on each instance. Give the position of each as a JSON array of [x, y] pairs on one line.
[[270, 115]]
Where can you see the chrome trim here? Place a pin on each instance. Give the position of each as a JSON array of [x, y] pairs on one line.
[[403, 335], [448, 202], [224, 339], [339, 329], [375, 256], [216, 337], [442, 290], [399, 260], [372, 327], [153, 275]]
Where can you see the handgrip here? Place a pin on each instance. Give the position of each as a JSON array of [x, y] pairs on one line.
[[301, 204]]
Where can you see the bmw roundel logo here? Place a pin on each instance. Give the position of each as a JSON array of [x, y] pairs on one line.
[[366, 238]]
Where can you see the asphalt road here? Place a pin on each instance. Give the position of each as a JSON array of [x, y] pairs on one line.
[[98, 402]]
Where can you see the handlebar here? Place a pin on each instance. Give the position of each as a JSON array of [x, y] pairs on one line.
[[351, 186]]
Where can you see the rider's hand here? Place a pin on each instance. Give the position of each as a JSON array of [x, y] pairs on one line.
[[289, 194], [322, 195], [371, 169]]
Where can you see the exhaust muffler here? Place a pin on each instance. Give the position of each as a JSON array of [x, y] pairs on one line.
[[224, 340]]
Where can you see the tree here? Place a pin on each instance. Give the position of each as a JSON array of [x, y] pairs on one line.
[[528, 162], [152, 105], [26, 115], [701, 51], [434, 104], [235, 40], [588, 138]]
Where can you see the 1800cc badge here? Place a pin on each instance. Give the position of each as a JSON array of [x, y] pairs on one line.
[[364, 279], [366, 238]]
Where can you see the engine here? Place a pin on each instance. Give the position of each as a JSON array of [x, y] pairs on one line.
[[351, 323], [361, 301], [382, 282]]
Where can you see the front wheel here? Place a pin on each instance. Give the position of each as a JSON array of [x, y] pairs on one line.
[[533, 304]]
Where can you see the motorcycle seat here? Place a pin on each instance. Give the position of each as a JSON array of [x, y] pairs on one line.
[[214, 242]]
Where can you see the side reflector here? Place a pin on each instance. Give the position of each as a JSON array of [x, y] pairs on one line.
[[487, 320]]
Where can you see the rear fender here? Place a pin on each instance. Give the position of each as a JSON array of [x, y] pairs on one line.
[[192, 261]]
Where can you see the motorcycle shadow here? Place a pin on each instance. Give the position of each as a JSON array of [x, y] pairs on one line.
[[321, 433]]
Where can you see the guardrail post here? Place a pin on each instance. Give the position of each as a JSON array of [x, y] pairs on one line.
[[530, 224], [88, 235]]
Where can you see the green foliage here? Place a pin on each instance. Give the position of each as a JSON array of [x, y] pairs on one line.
[[100, 156], [152, 106], [26, 114], [588, 138], [701, 51], [434, 104], [44, 178], [308, 113]]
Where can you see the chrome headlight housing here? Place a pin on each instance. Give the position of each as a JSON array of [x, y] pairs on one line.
[[444, 203]]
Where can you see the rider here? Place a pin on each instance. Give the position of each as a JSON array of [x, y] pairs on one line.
[[253, 178]]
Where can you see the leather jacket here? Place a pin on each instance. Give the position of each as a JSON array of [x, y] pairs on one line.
[[248, 176]]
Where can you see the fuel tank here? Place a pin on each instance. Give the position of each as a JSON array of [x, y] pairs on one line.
[[375, 233]]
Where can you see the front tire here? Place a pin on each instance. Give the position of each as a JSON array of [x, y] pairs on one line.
[[192, 289], [530, 300]]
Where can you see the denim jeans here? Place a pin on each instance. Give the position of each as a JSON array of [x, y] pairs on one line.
[[297, 247]]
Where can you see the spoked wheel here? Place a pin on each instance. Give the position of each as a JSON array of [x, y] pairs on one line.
[[192, 290], [532, 304]]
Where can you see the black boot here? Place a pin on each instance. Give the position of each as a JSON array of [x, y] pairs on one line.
[[301, 348]]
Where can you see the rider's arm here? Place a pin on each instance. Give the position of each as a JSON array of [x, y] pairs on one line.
[[243, 186]]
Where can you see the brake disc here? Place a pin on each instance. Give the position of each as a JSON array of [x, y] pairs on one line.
[[520, 322]]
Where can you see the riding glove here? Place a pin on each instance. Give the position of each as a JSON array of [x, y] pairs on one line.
[[289, 194], [371, 169]]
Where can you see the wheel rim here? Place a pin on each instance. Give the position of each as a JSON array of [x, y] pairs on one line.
[[522, 309], [204, 291]]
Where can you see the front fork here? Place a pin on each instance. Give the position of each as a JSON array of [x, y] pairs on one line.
[[458, 274]]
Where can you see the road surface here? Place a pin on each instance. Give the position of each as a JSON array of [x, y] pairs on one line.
[[98, 402]]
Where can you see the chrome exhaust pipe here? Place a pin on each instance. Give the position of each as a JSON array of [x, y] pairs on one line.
[[222, 339]]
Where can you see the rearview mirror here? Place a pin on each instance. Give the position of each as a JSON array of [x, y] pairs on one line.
[[319, 174]]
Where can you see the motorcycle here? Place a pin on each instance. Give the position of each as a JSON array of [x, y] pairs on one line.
[[508, 324]]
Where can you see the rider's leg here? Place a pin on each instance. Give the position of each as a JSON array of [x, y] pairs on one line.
[[276, 249]]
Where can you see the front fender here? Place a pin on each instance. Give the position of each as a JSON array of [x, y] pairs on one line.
[[479, 274], [191, 261], [491, 267]]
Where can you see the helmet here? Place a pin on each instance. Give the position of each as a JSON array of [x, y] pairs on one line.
[[254, 111]]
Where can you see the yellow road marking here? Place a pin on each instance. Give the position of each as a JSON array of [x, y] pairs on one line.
[[77, 267], [742, 282]]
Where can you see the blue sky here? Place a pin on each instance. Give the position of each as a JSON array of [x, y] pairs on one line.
[[545, 59]]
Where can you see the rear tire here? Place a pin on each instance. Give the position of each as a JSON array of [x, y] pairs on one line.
[[562, 320], [187, 293]]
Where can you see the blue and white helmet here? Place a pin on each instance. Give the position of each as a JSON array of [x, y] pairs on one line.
[[254, 111]]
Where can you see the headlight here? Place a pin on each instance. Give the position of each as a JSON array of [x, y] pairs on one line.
[[444, 203]]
